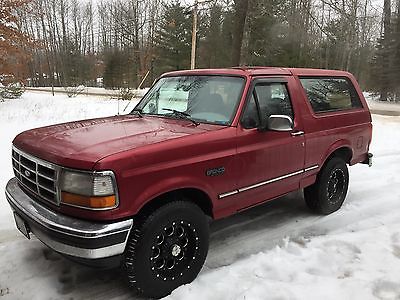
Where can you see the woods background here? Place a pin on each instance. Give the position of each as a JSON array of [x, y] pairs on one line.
[[74, 42]]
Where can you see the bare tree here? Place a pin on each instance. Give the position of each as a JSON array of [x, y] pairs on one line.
[[387, 14], [241, 7]]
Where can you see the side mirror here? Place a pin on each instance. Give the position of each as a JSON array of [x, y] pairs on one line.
[[280, 123]]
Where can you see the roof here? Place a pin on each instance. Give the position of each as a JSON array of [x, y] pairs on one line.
[[259, 71]]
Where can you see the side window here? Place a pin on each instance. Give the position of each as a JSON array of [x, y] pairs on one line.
[[250, 117], [272, 99], [330, 93]]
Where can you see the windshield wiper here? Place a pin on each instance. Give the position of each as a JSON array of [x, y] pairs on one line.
[[138, 111], [182, 115]]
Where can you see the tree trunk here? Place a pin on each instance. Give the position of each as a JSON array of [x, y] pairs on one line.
[[241, 7], [386, 29]]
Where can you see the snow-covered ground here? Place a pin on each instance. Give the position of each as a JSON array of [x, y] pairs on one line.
[[276, 251], [385, 108]]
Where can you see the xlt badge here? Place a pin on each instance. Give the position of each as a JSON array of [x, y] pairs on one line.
[[215, 172]]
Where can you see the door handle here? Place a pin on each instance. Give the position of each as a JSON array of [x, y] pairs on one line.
[[297, 133]]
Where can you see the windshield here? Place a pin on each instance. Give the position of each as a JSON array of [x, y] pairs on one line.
[[209, 99]]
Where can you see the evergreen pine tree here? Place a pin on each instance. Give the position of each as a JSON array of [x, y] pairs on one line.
[[385, 69], [174, 39], [211, 46]]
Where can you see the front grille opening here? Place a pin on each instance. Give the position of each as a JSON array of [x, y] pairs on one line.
[[50, 173], [15, 155], [46, 183], [15, 164], [28, 163], [29, 184], [46, 194]]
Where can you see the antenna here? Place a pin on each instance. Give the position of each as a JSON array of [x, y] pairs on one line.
[[139, 86], [118, 105]]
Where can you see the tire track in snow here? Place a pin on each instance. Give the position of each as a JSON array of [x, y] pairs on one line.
[[258, 229]]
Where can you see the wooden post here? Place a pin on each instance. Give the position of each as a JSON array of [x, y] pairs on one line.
[[194, 37]]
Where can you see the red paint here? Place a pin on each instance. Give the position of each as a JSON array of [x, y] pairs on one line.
[[151, 156]]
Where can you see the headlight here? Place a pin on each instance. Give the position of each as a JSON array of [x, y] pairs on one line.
[[95, 190]]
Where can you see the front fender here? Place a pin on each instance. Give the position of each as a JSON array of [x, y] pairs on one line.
[[168, 185]]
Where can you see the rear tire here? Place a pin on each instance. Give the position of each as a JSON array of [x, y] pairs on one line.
[[327, 194], [167, 249]]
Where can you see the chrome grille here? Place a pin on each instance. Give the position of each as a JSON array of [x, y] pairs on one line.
[[37, 175]]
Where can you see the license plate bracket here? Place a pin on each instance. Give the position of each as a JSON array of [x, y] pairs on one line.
[[22, 225]]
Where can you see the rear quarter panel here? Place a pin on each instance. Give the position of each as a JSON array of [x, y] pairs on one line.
[[326, 132]]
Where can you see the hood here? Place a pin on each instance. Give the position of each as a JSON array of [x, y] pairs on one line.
[[81, 144]]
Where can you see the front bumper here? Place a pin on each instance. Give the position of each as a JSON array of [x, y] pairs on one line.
[[67, 235]]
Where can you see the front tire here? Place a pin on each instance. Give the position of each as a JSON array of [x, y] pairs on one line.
[[167, 249], [327, 194]]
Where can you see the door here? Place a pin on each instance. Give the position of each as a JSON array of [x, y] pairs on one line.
[[271, 162]]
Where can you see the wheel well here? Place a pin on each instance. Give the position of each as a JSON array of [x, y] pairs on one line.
[[344, 153], [193, 195]]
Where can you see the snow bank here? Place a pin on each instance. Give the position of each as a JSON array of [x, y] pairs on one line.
[[90, 90], [375, 104]]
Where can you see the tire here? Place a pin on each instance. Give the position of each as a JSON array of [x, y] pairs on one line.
[[327, 194], [167, 249]]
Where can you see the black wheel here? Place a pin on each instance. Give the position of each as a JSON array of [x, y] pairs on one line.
[[327, 194], [167, 249]]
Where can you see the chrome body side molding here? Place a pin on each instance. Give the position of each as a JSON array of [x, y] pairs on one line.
[[257, 185]]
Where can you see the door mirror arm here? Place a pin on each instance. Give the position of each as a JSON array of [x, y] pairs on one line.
[[263, 125]]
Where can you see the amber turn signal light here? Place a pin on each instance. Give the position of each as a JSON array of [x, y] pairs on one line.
[[88, 201]]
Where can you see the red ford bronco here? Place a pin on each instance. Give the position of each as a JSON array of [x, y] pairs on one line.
[[137, 190]]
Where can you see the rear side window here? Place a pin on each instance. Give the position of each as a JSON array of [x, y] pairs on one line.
[[330, 93]]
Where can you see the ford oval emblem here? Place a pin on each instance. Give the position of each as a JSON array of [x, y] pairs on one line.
[[27, 173]]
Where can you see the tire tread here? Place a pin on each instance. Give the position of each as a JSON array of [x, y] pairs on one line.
[[137, 234], [314, 196]]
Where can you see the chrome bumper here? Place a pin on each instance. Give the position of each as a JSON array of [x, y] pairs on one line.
[[68, 235]]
